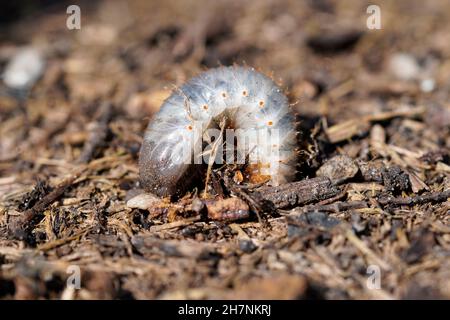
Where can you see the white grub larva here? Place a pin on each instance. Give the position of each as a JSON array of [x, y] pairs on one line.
[[244, 99]]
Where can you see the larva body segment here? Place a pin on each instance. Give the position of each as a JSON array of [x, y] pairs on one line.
[[247, 101]]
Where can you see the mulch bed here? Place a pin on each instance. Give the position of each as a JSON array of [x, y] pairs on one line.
[[373, 182]]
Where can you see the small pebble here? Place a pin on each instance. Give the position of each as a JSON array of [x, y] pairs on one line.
[[247, 246], [427, 85], [404, 66], [197, 205], [24, 69], [143, 201]]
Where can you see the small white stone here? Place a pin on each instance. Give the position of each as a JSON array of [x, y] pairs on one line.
[[24, 69], [427, 85], [143, 201], [404, 66]]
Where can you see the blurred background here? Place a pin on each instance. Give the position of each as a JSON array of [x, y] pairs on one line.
[[59, 88]]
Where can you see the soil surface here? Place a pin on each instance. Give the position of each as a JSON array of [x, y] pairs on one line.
[[370, 218]]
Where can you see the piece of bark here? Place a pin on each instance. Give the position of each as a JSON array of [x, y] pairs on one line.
[[417, 184], [361, 125], [410, 201], [378, 140], [300, 225], [20, 226], [371, 171], [298, 193], [347, 129], [98, 133], [335, 207], [281, 287], [339, 168], [147, 245], [395, 179]]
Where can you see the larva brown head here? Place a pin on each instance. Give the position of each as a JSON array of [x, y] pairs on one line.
[[160, 176]]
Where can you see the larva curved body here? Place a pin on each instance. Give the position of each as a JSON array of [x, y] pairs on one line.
[[246, 100]]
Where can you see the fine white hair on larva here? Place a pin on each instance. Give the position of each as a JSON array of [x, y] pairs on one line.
[[244, 99]]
